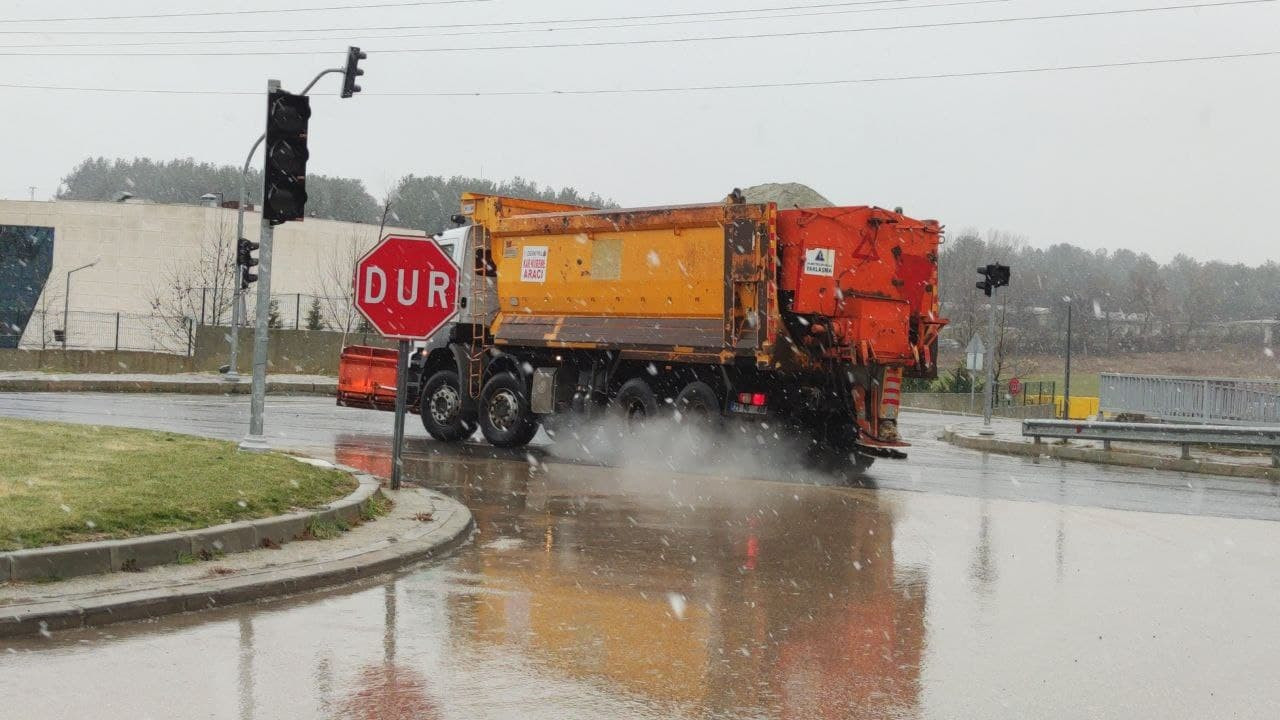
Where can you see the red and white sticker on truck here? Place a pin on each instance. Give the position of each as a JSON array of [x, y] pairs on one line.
[[533, 264]]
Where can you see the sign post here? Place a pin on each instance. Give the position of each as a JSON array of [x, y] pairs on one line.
[[973, 357], [407, 288], [402, 398]]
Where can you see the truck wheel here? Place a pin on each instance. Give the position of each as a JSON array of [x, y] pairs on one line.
[[441, 408], [635, 402], [505, 417], [861, 463], [697, 403], [698, 411]]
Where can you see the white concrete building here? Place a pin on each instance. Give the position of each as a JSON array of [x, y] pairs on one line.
[[154, 261]]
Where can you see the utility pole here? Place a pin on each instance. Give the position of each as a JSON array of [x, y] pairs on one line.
[[32, 188], [1066, 385]]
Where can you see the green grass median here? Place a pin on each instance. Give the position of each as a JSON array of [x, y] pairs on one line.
[[62, 483]]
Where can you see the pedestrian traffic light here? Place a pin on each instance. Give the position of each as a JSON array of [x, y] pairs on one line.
[[246, 260], [994, 276], [285, 183], [349, 86]]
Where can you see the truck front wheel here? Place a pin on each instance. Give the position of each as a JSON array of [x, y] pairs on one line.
[[505, 417], [441, 408]]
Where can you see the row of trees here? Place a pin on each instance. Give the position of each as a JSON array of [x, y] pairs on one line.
[[184, 181], [421, 202], [1121, 300]]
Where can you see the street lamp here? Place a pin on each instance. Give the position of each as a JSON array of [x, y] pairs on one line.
[[1066, 385], [66, 299]]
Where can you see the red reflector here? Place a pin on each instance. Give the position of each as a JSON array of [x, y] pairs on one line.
[[757, 399], [744, 398]]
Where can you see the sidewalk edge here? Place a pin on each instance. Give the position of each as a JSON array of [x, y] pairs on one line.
[[138, 553], [212, 387], [450, 532], [1109, 457]]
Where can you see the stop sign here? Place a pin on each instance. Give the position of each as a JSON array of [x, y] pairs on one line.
[[407, 287]]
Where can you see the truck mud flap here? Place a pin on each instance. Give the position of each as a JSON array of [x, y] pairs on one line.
[[882, 451]]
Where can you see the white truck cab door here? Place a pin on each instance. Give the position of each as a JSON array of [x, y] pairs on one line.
[[477, 293]]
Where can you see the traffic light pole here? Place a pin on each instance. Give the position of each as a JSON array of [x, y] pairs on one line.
[[988, 392], [258, 392], [234, 337]]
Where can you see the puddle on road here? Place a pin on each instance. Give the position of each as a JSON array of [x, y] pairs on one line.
[[593, 592]]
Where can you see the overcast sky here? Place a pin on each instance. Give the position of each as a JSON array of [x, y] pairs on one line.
[[1181, 157]]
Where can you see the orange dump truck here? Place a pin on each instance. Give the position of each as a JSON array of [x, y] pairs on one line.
[[810, 317]]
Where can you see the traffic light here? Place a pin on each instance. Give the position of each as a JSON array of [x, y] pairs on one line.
[[285, 186], [349, 86], [246, 260], [995, 275]]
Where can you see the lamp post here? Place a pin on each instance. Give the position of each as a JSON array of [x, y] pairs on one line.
[[66, 299], [1066, 385]]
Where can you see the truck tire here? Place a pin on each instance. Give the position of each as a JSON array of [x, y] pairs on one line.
[[835, 450], [441, 408], [698, 413], [505, 417], [635, 402], [697, 403]]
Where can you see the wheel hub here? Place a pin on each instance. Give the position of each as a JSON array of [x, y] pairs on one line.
[[444, 405], [504, 410]]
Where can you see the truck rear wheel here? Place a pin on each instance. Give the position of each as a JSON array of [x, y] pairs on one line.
[[505, 417], [698, 413], [697, 403], [441, 408], [636, 402]]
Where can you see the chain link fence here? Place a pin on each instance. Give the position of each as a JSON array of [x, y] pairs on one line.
[[109, 331], [289, 311], [88, 330]]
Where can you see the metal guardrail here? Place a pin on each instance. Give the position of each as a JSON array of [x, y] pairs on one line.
[[1227, 401], [1174, 434]]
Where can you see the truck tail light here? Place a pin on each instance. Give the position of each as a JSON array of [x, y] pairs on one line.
[[744, 398], [757, 399]]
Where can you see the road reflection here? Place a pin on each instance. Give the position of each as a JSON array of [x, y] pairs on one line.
[[696, 593]]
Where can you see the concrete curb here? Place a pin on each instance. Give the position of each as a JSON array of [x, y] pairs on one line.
[[186, 387], [1109, 457], [449, 528], [67, 561]]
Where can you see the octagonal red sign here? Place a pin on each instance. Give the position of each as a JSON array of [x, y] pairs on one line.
[[407, 287]]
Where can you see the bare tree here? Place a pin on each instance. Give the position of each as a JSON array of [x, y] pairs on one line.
[[335, 273], [49, 304], [202, 290]]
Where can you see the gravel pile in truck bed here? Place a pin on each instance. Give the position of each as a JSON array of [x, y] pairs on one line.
[[786, 195]]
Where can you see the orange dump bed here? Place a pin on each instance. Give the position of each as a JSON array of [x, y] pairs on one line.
[[367, 377]]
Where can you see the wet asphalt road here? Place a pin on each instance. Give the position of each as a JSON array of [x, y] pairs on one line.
[[956, 585]]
